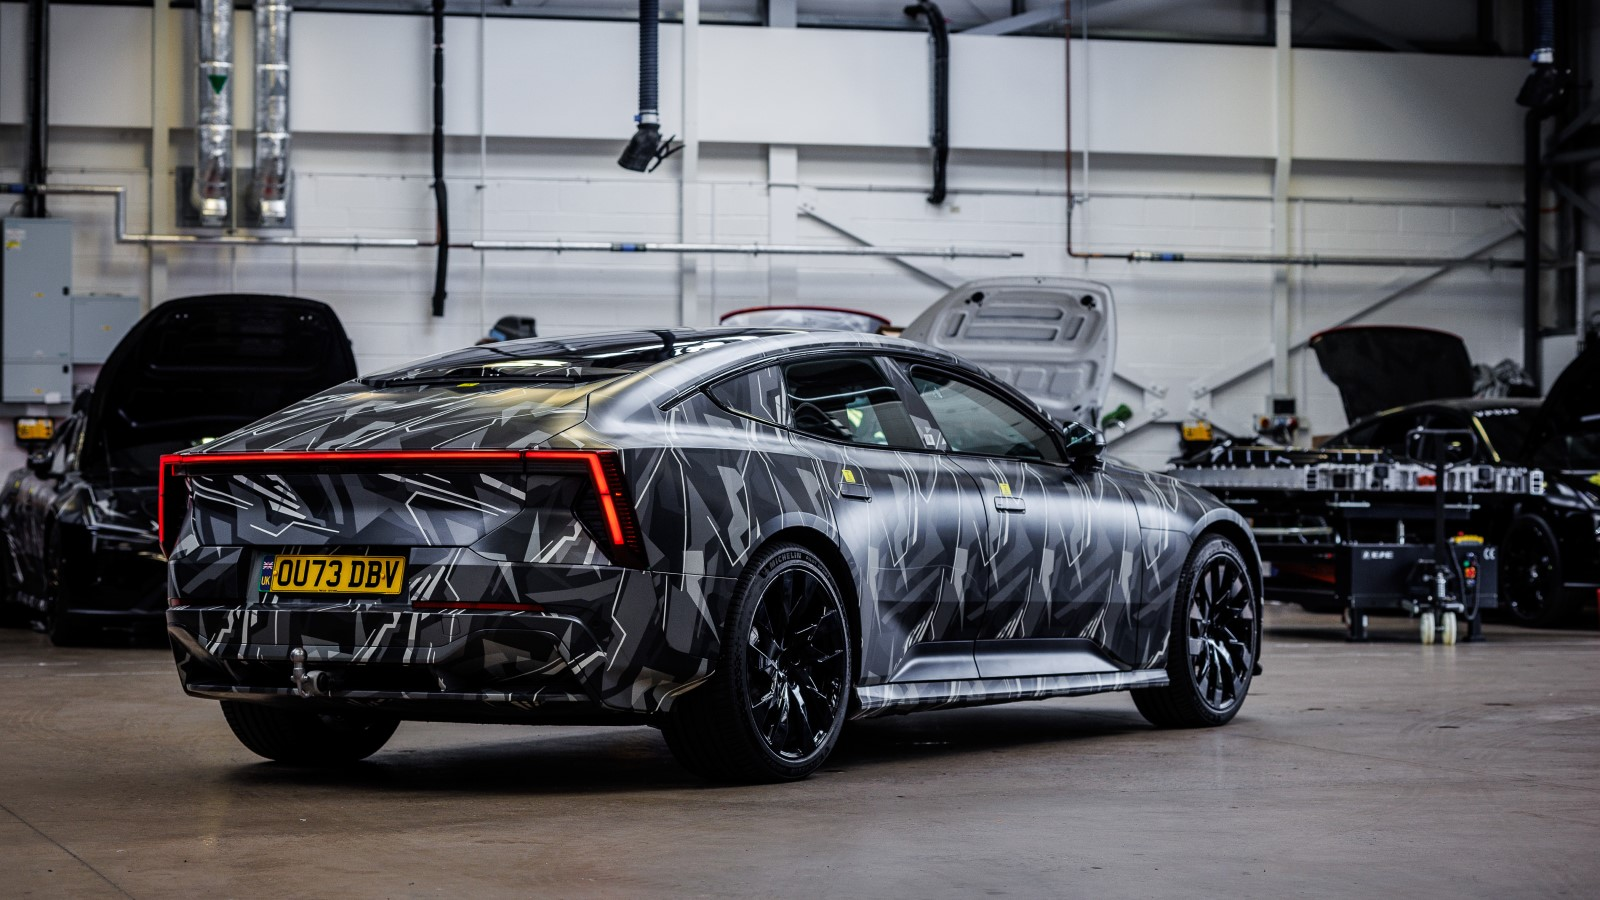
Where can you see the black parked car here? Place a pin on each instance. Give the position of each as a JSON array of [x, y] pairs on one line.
[[1549, 543], [743, 536], [80, 551]]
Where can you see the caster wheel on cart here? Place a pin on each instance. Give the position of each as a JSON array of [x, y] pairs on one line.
[[1427, 627], [1357, 625], [1448, 635]]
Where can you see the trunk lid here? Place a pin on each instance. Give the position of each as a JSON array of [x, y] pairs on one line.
[[1054, 339]]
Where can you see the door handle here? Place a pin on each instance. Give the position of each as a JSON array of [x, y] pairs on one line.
[[851, 487], [1006, 503]]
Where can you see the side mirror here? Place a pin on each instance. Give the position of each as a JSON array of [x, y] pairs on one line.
[[1085, 447], [39, 464]]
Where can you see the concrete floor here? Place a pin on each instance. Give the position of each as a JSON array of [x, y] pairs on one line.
[[1387, 769]]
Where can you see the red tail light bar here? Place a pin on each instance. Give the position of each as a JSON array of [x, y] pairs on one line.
[[604, 467]]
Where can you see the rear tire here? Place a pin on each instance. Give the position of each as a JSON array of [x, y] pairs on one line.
[[63, 627], [1215, 641], [774, 709], [306, 738], [1531, 578]]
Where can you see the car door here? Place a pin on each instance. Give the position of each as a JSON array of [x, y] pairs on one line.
[[1061, 544], [907, 517]]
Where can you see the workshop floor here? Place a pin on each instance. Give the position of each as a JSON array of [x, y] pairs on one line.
[[1385, 769]]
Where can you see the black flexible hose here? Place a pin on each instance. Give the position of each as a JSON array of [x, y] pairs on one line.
[[939, 136], [649, 43], [1547, 25], [38, 113], [441, 196]]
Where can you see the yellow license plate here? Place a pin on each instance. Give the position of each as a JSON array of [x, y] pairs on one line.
[[286, 573]]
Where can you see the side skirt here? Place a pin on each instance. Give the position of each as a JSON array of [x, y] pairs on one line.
[[886, 699]]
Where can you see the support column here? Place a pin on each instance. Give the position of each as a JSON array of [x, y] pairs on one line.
[[166, 108], [689, 312], [1283, 127], [783, 190], [783, 202]]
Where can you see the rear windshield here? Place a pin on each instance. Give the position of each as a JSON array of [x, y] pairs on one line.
[[575, 361]]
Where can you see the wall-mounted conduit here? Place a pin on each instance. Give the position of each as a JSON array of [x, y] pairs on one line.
[[939, 84], [119, 195], [441, 195], [36, 167]]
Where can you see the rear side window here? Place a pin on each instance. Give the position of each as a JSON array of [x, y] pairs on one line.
[[757, 394], [976, 421], [847, 399]]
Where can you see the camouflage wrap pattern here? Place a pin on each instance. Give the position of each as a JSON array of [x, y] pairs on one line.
[[929, 547], [888, 699]]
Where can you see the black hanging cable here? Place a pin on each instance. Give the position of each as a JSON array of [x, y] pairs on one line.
[[37, 164], [441, 196], [939, 115]]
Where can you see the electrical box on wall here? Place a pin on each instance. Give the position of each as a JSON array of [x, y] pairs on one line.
[[35, 310], [98, 323]]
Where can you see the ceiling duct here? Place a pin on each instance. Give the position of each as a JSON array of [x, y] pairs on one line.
[[270, 182], [212, 186]]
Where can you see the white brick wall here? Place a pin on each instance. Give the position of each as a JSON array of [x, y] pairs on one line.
[[1179, 321]]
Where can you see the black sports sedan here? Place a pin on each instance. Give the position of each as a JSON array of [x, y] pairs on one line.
[[742, 536], [79, 522]]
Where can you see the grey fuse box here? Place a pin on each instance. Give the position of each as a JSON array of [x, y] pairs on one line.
[[99, 322], [35, 310]]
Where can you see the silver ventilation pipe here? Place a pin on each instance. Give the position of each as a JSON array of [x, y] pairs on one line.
[[270, 184], [212, 187]]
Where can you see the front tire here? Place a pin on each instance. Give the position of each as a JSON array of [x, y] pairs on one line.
[[64, 628], [774, 709], [306, 738], [1216, 639]]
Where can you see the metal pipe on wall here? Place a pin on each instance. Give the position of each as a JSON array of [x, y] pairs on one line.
[[119, 195], [939, 102], [270, 182], [37, 165], [212, 187], [747, 249], [441, 195]]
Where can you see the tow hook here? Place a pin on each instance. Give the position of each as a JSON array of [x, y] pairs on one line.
[[307, 684]]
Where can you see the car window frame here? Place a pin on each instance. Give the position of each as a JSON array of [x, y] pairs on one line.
[[1051, 432], [872, 359], [741, 372]]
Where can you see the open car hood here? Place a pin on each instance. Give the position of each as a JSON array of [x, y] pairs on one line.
[[1054, 339], [199, 367], [1565, 434], [1378, 367]]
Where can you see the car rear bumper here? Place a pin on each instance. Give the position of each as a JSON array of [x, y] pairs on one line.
[[459, 664]]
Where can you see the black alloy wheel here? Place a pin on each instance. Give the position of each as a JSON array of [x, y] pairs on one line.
[[1530, 575], [796, 654], [774, 709], [1215, 641]]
